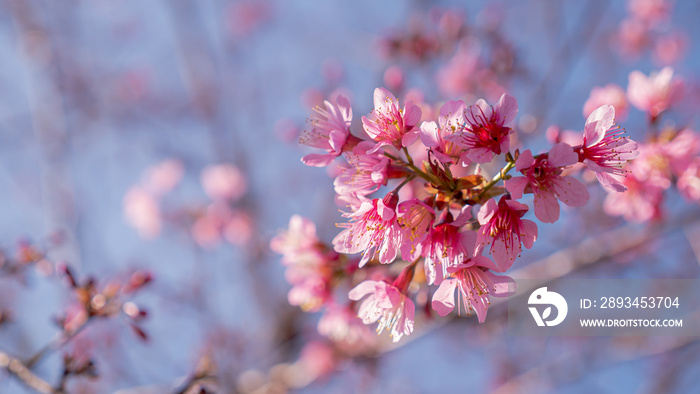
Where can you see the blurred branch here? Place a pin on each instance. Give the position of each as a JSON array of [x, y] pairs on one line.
[[19, 370]]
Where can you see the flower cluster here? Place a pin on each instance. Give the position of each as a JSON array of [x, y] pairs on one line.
[[440, 210], [221, 218]]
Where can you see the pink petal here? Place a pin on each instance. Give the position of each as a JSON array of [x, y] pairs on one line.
[[318, 160], [525, 160], [452, 114], [485, 108], [383, 100], [571, 191], [483, 261], [506, 108], [362, 289], [546, 206], [562, 155], [504, 255], [480, 155], [598, 123], [516, 186], [486, 212], [609, 182], [529, 235], [444, 298], [503, 285], [429, 134], [412, 114], [409, 138]]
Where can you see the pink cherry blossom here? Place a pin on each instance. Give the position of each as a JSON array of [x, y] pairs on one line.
[[609, 94], [457, 76], [223, 182], [640, 203], [543, 176], [329, 130], [604, 149], [689, 181], [364, 172], [373, 228], [451, 120], [386, 304], [163, 177], [669, 49], [298, 239], [340, 324], [656, 93], [447, 245], [142, 211], [415, 218], [475, 284], [650, 12], [503, 228], [486, 132], [388, 124], [310, 293]]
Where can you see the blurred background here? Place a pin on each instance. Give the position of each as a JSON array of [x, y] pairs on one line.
[[157, 140]]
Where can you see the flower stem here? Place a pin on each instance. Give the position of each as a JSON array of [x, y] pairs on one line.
[[509, 166]]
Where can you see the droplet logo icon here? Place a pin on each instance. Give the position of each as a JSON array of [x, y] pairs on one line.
[[543, 297]]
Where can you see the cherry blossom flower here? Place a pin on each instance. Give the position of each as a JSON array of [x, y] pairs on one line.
[[415, 219], [297, 240], [543, 176], [609, 94], [475, 284], [373, 228], [447, 245], [669, 49], [486, 132], [310, 293], [605, 149], [142, 211], [223, 182], [651, 12], [163, 177], [390, 125], [503, 229], [330, 131], [656, 93], [640, 203], [387, 304], [450, 121], [364, 173], [689, 181]]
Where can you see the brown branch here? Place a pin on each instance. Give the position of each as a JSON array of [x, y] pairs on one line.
[[17, 369]]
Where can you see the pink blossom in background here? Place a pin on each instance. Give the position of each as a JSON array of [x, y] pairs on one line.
[[310, 293], [656, 93], [486, 132], [450, 121], [386, 304], [373, 228], [556, 135], [244, 17], [364, 172], [543, 176], [223, 182], [457, 76], [317, 359], [609, 94], [640, 202], [340, 324], [632, 38], [394, 78], [239, 229], [388, 124], [297, 240], [689, 182], [503, 228], [475, 284], [682, 150], [604, 149], [670, 49], [163, 177], [142, 211], [651, 12], [329, 130]]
